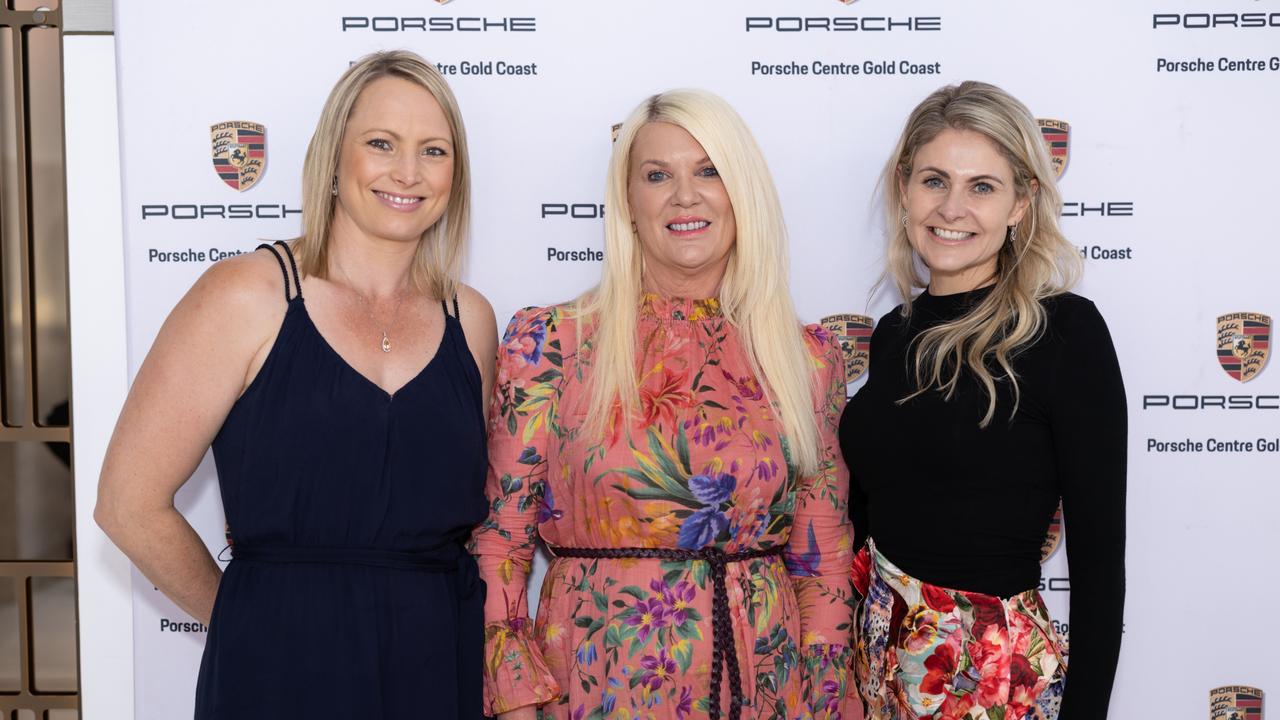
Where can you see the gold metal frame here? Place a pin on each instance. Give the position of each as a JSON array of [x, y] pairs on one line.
[[27, 426]]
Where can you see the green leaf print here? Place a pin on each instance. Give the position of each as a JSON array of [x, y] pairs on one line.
[[612, 638], [673, 571], [510, 484], [650, 493], [700, 570], [683, 654], [548, 376], [689, 631], [682, 449], [666, 462], [1036, 647]]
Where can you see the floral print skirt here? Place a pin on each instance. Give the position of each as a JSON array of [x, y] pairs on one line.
[[929, 652]]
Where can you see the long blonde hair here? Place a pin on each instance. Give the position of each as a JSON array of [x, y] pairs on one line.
[[1036, 262], [438, 262], [754, 294]]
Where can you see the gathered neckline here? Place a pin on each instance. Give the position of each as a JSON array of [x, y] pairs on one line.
[[678, 308]]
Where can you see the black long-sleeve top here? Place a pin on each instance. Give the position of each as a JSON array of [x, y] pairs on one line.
[[965, 507]]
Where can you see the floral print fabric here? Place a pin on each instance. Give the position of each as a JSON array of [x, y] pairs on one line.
[[702, 463], [925, 652]]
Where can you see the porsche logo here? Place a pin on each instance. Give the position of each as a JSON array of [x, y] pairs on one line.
[[1057, 140], [1244, 344], [239, 152]]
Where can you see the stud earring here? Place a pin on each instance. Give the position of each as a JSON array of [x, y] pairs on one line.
[[334, 189]]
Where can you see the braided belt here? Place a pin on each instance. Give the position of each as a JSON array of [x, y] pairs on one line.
[[722, 648]]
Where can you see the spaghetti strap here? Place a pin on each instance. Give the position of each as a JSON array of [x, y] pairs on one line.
[[283, 272], [297, 280], [445, 306]]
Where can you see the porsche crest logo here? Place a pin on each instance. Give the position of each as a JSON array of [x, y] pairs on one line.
[[854, 334], [1057, 140], [1235, 702], [1244, 344], [239, 152]]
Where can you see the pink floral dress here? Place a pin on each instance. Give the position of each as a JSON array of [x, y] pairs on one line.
[[702, 464]]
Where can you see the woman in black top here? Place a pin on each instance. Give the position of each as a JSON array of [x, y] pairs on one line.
[[991, 395]]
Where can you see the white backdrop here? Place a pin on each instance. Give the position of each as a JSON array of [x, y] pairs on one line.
[[1169, 185]]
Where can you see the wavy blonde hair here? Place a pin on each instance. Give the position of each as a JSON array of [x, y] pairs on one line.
[[438, 262], [1034, 263], [754, 294]]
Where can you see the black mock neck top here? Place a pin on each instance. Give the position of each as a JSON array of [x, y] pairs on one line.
[[967, 508]]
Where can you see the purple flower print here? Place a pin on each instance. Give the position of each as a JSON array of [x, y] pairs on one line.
[[676, 601], [712, 489], [649, 615], [656, 669], [701, 528]]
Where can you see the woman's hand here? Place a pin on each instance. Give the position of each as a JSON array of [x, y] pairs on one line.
[[215, 339]]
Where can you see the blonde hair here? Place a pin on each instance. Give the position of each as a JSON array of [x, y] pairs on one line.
[[438, 262], [1034, 263], [754, 294]]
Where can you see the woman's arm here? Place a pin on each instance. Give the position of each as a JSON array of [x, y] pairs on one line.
[[819, 553], [1090, 422], [206, 352], [524, 404]]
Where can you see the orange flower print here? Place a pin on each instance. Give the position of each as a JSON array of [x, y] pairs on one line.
[[669, 397]]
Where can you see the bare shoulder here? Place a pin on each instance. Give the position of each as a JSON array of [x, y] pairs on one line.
[[253, 280], [239, 302], [472, 303], [478, 321]]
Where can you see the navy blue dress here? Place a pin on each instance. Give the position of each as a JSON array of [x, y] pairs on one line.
[[350, 594]]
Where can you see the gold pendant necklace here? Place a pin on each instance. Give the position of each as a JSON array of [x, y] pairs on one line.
[[368, 308]]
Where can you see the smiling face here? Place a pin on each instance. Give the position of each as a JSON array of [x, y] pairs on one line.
[[960, 201], [395, 167], [681, 212]]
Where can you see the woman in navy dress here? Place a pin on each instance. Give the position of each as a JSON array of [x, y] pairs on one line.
[[339, 380]]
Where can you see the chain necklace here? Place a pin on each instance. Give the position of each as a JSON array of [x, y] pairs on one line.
[[368, 308]]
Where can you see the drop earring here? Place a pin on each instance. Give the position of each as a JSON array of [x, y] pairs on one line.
[[334, 189]]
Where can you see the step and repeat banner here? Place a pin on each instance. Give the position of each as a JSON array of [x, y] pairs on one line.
[[1159, 112]]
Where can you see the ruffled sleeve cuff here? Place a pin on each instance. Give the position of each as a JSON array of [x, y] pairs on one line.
[[825, 674], [515, 675]]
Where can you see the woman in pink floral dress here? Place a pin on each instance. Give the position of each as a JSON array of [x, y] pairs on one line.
[[671, 438]]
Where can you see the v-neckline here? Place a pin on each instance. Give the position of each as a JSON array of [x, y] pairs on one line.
[[389, 395]]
